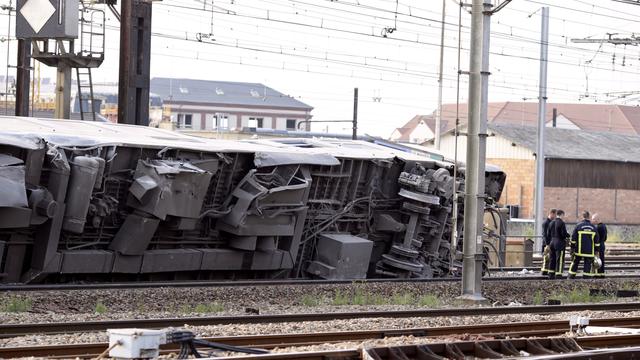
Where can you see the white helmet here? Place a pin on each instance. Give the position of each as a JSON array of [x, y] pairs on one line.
[[597, 263]]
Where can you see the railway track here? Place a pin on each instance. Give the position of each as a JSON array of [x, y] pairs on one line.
[[502, 330], [245, 283], [611, 347], [14, 330], [610, 268]]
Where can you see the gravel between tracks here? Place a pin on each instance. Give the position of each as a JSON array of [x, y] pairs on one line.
[[82, 305]]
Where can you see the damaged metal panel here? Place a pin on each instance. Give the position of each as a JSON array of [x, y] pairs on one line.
[[155, 204], [341, 257], [134, 236], [266, 159], [13, 191], [164, 187]]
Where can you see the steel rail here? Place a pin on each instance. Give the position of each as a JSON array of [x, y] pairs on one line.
[[503, 330], [524, 329], [13, 330], [616, 343], [248, 283]]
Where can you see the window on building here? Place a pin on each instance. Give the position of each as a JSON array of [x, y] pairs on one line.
[[222, 121], [256, 122], [292, 124], [185, 121]]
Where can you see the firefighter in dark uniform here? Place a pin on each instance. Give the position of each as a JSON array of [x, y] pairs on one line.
[[559, 235], [546, 241], [584, 246], [602, 236]]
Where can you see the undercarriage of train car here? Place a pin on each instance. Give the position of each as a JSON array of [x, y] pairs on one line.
[[105, 213]]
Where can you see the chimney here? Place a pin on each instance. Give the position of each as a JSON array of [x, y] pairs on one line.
[[554, 122]]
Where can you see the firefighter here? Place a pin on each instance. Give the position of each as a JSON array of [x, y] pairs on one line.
[[546, 240], [602, 236], [584, 246], [559, 235]]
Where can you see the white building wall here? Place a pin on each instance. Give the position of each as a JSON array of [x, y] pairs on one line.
[[563, 123], [209, 123], [244, 122], [266, 122], [421, 133], [195, 122], [497, 148], [281, 123]]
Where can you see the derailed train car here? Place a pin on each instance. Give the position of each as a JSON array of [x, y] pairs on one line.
[[104, 202]]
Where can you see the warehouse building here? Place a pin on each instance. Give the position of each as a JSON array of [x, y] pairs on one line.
[[583, 170]]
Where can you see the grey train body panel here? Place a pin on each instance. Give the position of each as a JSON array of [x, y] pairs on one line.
[[86, 201]]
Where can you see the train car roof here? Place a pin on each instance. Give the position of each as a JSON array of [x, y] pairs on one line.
[[25, 131]]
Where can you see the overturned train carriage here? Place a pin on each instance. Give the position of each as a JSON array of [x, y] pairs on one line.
[[103, 202]]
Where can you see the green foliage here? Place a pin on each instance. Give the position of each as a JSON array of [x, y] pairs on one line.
[[310, 300], [101, 308], [402, 299], [538, 298], [429, 301], [340, 299], [208, 308], [15, 304], [576, 296]]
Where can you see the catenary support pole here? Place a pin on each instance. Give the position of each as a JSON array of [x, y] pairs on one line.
[[135, 65], [23, 78], [355, 114], [476, 144], [437, 132], [63, 92], [542, 111]]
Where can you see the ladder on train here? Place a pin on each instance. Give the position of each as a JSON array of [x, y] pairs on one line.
[[85, 94]]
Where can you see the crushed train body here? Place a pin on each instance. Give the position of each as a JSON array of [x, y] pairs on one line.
[[99, 201]]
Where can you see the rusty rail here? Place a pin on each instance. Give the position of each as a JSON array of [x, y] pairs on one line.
[[511, 330]]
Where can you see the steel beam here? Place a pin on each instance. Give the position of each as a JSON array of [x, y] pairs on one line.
[[63, 92], [23, 85], [135, 62]]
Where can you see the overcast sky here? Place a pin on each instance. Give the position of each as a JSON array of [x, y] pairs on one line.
[[319, 50]]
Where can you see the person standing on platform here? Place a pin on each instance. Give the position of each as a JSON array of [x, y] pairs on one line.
[[559, 235], [546, 241], [602, 235]]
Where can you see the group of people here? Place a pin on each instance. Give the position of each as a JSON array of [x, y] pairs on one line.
[[586, 243]]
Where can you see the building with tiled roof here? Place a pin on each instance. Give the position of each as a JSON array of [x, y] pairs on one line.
[[595, 117]]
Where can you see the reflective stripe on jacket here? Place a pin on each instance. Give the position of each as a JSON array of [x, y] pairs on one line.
[[585, 240]]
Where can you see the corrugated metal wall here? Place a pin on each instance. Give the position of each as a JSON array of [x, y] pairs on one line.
[[592, 174]]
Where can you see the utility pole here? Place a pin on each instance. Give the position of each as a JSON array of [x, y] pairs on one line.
[[438, 130], [355, 114], [542, 115], [135, 62], [23, 77], [475, 165], [474, 197], [63, 91]]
